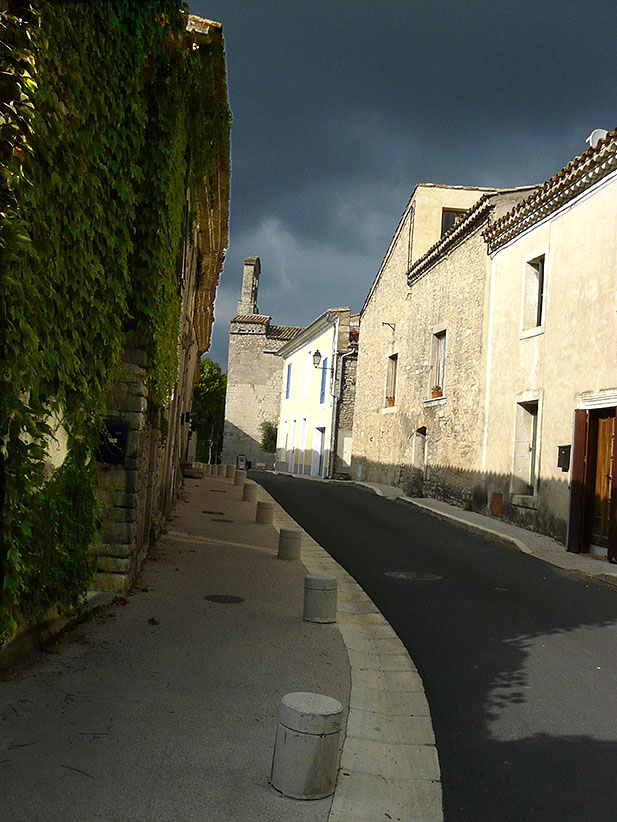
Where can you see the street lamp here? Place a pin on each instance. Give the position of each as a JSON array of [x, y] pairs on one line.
[[317, 358]]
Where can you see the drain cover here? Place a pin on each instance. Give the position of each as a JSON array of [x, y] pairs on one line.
[[218, 513], [413, 576], [221, 519], [225, 599]]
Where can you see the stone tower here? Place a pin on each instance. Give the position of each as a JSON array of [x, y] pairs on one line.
[[254, 373]]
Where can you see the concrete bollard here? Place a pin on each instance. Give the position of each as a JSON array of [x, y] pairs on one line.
[[220, 469], [290, 543], [320, 592], [208, 469], [230, 472], [249, 493], [306, 747], [265, 513], [240, 477]]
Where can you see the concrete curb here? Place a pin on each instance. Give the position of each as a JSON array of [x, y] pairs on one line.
[[389, 763]]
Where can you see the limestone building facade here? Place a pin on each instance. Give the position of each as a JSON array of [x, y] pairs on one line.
[[551, 382], [487, 374], [253, 373]]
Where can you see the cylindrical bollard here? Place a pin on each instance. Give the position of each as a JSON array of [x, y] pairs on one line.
[[208, 469], [249, 493], [290, 543], [320, 598], [230, 471], [305, 760], [265, 513], [240, 477], [220, 469]]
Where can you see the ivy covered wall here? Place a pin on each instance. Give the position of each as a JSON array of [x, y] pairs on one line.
[[111, 112]]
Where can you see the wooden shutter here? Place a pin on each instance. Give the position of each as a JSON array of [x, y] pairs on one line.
[[577, 488], [612, 511]]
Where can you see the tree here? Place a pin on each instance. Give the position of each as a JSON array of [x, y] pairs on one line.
[[209, 408], [268, 437]]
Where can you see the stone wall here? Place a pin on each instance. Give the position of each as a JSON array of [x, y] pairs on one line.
[[253, 391], [421, 443]]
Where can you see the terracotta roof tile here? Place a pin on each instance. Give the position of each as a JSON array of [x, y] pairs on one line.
[[283, 332], [259, 319], [581, 173]]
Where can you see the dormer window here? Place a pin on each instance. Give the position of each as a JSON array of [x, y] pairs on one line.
[[449, 217]]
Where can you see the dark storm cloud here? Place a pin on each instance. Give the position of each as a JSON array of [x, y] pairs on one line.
[[340, 108]]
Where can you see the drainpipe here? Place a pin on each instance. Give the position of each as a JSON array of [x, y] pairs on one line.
[[336, 396]]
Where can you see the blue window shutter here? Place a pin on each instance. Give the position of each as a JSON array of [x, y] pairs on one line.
[[288, 381], [322, 393]]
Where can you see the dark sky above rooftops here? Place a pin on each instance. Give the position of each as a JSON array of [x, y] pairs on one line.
[[341, 107]]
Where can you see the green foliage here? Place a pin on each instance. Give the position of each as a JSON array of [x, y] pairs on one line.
[[209, 408], [110, 117], [268, 436]]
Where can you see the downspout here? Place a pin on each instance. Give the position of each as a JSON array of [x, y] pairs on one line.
[[336, 396]]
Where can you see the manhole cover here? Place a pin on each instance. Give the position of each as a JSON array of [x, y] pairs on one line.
[[217, 513], [225, 599], [413, 576], [221, 519]]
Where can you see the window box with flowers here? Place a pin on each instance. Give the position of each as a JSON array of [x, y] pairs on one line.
[[390, 402], [436, 391]]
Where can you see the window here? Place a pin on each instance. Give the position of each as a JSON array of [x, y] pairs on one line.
[[525, 449], [391, 380], [438, 364], [322, 390], [288, 388], [450, 216], [533, 294]]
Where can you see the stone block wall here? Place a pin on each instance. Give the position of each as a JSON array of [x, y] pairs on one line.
[[254, 378]]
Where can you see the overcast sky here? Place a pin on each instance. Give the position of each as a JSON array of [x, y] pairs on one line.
[[341, 107]]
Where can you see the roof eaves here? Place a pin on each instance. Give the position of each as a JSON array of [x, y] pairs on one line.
[[581, 173], [456, 234]]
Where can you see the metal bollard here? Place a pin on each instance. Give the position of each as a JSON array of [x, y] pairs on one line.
[[320, 592], [240, 477], [249, 493], [306, 747], [230, 471], [290, 543], [265, 513]]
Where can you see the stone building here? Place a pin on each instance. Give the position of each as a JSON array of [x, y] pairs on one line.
[[253, 373], [399, 360], [139, 471], [486, 371], [548, 452], [317, 397]]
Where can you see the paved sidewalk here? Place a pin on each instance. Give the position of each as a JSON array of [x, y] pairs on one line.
[[164, 706], [530, 542]]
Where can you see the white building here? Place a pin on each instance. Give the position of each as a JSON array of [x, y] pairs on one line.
[[318, 382]]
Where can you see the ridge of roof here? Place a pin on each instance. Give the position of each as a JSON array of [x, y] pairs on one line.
[[260, 319], [454, 234], [581, 173]]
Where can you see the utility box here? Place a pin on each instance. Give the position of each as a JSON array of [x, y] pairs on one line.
[[241, 462], [112, 445]]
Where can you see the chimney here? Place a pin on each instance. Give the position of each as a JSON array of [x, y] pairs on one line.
[[247, 304]]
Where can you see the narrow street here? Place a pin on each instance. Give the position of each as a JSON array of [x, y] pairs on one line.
[[517, 656]]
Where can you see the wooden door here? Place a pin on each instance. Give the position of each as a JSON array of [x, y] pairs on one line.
[[602, 480]]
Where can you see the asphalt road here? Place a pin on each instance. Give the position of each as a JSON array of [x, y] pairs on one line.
[[518, 658]]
